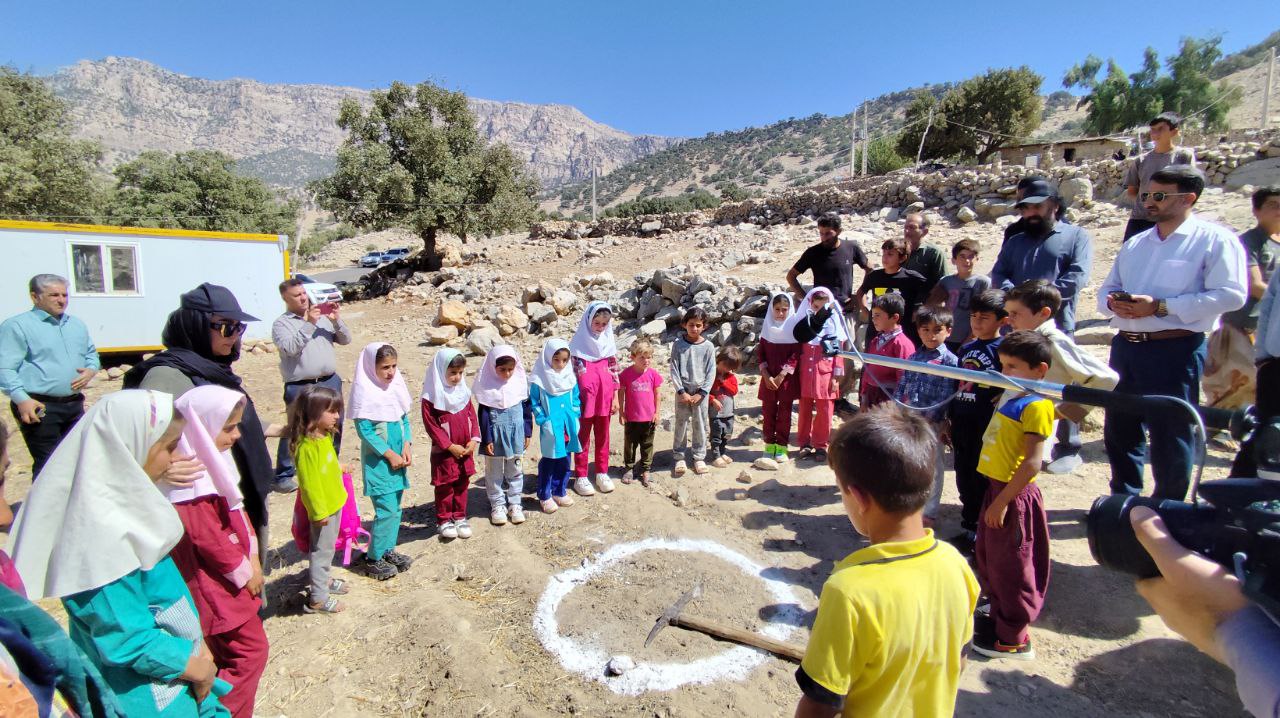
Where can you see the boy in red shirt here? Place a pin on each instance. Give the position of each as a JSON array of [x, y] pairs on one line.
[[879, 383], [723, 390]]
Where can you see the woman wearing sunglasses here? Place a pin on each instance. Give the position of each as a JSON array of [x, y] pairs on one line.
[[202, 340]]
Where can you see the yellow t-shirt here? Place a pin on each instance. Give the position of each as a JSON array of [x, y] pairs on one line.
[[319, 477], [1002, 442], [892, 624]]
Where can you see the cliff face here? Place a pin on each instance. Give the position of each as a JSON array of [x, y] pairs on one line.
[[287, 133]]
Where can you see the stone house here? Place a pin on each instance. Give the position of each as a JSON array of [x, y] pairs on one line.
[[1068, 152]]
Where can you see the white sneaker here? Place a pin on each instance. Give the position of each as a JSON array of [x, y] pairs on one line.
[[679, 469], [448, 530], [517, 513], [498, 516], [566, 500], [582, 485], [464, 529], [549, 506], [604, 483]]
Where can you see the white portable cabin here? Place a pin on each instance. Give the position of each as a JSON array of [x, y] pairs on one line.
[[124, 281]]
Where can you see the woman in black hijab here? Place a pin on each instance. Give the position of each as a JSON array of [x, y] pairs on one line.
[[202, 340]]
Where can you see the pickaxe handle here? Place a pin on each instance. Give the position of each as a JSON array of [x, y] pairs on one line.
[[780, 649]]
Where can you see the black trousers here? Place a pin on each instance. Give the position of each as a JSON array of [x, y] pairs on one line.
[[721, 430], [966, 449], [43, 436]]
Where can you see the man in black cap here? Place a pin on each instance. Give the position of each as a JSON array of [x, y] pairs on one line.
[[304, 337], [1019, 192], [1062, 254]]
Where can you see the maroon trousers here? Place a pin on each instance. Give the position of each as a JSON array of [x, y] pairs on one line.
[[451, 500], [776, 411], [241, 657], [1013, 561]]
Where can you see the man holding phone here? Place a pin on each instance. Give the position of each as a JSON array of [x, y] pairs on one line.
[[304, 337], [1168, 286]]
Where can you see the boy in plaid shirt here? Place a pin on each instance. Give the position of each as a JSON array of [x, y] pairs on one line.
[[918, 389]]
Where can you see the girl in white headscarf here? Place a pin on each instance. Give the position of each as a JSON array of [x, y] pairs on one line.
[[96, 532], [380, 406], [778, 355], [553, 393], [595, 361], [506, 426], [451, 423], [819, 318]]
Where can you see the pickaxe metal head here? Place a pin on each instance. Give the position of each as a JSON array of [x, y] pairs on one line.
[[670, 615]]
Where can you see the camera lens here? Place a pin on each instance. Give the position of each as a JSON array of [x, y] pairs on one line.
[[1111, 538]]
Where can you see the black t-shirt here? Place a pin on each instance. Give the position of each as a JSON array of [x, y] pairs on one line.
[[833, 268], [1016, 228], [910, 284]]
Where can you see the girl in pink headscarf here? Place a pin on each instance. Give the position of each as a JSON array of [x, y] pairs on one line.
[[218, 553], [380, 405], [506, 425]]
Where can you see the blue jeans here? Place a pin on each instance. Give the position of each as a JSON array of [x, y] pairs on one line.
[[284, 458], [553, 477], [1168, 367]]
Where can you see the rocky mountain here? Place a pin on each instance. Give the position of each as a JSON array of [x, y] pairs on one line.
[[287, 134]]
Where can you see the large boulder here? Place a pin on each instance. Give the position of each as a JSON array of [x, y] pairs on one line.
[[1076, 192], [511, 319], [438, 336], [653, 328], [480, 341], [563, 301], [966, 215], [540, 313], [1262, 172], [454, 313]]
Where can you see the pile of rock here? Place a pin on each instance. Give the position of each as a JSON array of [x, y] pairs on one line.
[[1220, 162], [646, 225]]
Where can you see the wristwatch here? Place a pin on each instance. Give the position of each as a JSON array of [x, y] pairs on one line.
[[1162, 309]]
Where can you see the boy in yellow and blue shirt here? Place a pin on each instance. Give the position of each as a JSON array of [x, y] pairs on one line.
[[1012, 550], [895, 617]]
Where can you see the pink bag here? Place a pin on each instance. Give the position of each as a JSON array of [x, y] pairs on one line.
[[351, 535]]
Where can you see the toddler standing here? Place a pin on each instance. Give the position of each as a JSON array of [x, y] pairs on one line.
[[596, 364], [638, 401], [819, 318], [777, 354], [728, 360], [554, 395], [506, 424], [693, 371], [380, 405], [313, 419], [455, 435]]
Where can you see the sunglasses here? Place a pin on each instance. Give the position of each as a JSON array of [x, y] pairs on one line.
[[1160, 196], [228, 329]]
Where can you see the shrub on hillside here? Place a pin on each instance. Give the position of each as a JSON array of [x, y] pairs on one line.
[[699, 199]]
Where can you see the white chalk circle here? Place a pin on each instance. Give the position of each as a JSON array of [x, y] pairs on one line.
[[589, 660]]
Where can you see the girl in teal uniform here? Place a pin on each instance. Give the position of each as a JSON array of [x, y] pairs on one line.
[[103, 549], [553, 392]]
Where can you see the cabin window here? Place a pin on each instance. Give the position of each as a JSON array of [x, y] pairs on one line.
[[104, 268], [1069, 154]]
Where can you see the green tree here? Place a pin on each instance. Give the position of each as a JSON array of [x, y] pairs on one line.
[[199, 189], [42, 170], [977, 117], [882, 156], [1118, 102], [415, 159]]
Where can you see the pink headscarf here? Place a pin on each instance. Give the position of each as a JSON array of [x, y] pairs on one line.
[[370, 398], [206, 409], [489, 388]]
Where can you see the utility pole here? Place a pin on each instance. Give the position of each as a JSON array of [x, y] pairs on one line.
[[853, 143], [1266, 93], [923, 135], [593, 188], [866, 138]]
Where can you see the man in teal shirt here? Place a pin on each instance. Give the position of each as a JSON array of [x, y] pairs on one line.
[[46, 361]]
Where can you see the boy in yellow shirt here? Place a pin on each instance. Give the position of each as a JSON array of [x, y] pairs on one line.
[[895, 617], [1012, 551]]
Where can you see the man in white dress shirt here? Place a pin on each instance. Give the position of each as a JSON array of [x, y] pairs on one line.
[[1167, 288]]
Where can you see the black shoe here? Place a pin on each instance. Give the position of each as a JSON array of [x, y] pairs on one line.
[[286, 485], [399, 560], [843, 407], [964, 542], [804, 453], [984, 628], [379, 569], [820, 456]]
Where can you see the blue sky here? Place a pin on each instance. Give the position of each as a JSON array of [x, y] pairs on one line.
[[661, 67]]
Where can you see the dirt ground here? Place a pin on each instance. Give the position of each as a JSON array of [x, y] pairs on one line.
[[454, 635]]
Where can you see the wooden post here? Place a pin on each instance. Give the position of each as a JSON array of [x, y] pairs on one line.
[[853, 143], [593, 189], [923, 135], [1266, 93], [866, 137]]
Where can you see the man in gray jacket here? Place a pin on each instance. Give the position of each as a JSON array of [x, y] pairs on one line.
[[304, 337]]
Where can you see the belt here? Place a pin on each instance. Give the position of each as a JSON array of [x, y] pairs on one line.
[[46, 399], [317, 380], [1138, 337]]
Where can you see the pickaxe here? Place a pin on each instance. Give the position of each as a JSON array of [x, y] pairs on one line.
[[674, 617]]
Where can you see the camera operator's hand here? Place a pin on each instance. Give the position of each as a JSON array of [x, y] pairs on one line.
[[1193, 594]]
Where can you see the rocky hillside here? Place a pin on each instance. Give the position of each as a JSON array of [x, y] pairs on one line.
[[286, 133]]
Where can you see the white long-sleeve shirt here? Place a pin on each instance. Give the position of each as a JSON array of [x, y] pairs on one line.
[[1199, 270]]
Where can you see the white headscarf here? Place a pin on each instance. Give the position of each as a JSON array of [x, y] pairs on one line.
[[206, 409], [94, 515], [370, 398], [834, 326], [551, 381], [588, 345], [776, 332], [436, 389], [491, 390]]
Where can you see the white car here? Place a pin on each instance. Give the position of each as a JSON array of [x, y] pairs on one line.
[[320, 292]]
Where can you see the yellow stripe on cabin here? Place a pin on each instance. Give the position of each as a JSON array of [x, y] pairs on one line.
[[136, 231]]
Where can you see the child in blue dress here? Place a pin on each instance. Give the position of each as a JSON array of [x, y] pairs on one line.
[[556, 409], [506, 425]]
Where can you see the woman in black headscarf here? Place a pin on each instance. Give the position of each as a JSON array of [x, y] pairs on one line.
[[202, 340]]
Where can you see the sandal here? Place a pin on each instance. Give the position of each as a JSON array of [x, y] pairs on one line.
[[644, 479], [331, 605], [338, 587]]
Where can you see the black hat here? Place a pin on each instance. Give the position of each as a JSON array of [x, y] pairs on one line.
[[1037, 192], [213, 299]]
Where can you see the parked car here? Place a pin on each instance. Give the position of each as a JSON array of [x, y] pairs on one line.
[[371, 259], [389, 257], [319, 292]]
